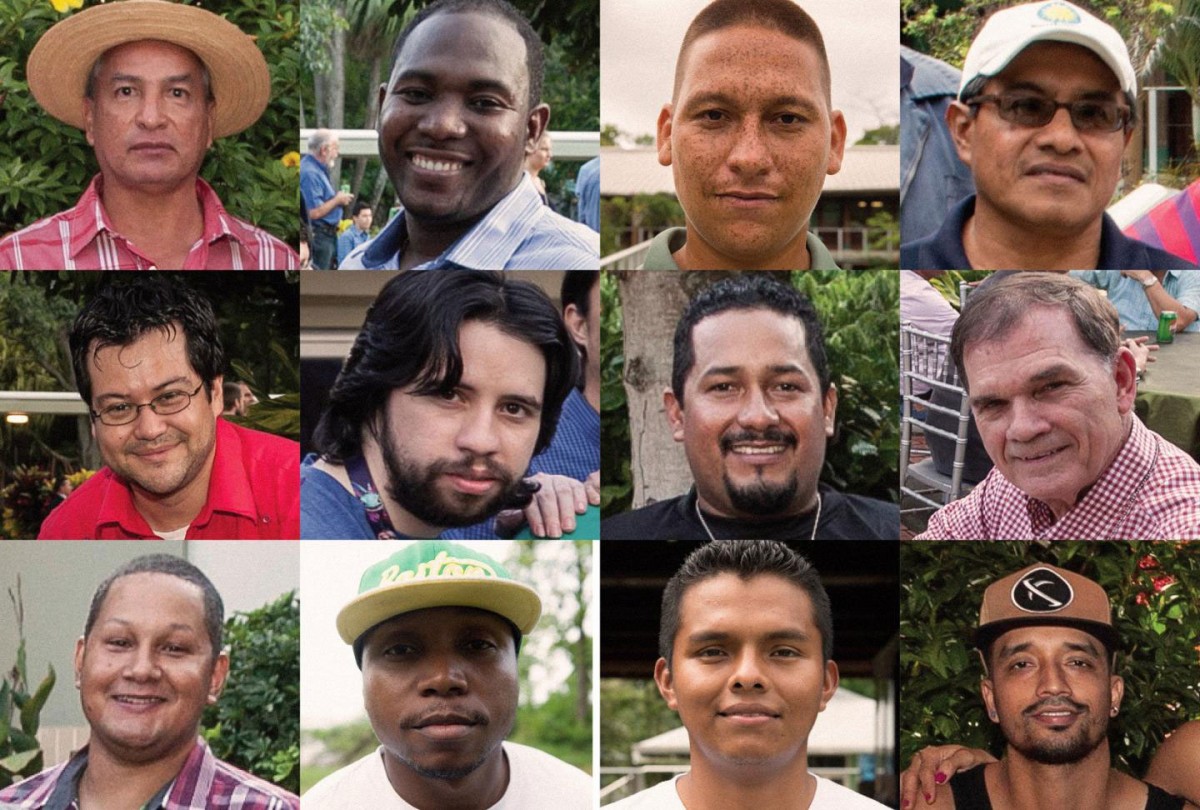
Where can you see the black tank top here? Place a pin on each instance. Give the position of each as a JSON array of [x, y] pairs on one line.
[[970, 793]]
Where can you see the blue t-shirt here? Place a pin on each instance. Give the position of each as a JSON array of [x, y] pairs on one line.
[[327, 510], [316, 189]]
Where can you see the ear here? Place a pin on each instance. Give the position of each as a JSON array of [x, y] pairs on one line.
[[829, 405], [216, 682], [663, 136], [576, 324], [989, 699], [212, 121], [662, 679], [674, 414], [960, 122], [831, 684], [837, 141], [89, 116], [217, 400], [535, 125], [1125, 375], [381, 96], [1116, 691], [80, 644]]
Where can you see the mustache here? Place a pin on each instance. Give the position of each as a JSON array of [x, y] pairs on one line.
[[516, 491], [168, 439], [773, 435], [423, 718], [1055, 703]]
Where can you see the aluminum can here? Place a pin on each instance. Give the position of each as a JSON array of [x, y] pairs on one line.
[[1166, 319]]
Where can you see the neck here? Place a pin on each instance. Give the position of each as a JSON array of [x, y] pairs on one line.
[[176, 509], [743, 787], [403, 521], [1019, 782], [114, 784], [479, 789], [428, 240], [696, 254], [591, 389], [807, 503], [992, 241], [163, 222]]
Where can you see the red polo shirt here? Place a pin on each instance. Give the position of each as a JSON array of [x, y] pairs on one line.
[[253, 494]]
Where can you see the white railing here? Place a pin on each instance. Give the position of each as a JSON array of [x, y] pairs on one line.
[[630, 258], [568, 146]]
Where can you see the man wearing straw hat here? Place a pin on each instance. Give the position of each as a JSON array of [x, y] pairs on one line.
[[436, 628], [151, 84]]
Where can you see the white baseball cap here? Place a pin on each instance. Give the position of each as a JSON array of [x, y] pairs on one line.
[[1008, 32]]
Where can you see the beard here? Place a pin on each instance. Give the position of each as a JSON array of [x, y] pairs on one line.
[[415, 488], [761, 498], [1065, 747]]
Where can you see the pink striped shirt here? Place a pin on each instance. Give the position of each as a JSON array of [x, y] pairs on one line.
[[83, 238]]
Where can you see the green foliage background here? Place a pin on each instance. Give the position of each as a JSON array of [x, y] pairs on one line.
[[21, 708], [45, 164], [255, 725], [862, 337], [1159, 625]]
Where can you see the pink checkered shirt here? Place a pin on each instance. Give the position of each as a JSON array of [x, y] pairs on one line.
[[1151, 491], [82, 238]]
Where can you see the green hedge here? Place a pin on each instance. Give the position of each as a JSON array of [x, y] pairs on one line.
[[1152, 587], [45, 164]]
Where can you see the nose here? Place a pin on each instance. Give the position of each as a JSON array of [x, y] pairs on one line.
[[1060, 134], [749, 154], [757, 412], [442, 119], [477, 434], [748, 673], [1051, 681], [148, 424], [141, 665], [1026, 423], [150, 111], [442, 674]]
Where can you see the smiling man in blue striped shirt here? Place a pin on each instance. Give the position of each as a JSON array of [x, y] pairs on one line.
[[457, 117]]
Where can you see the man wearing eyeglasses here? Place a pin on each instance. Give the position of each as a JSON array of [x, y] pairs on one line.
[[148, 361], [1045, 110]]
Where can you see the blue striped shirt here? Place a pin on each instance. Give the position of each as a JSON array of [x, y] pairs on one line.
[[519, 233], [574, 452]]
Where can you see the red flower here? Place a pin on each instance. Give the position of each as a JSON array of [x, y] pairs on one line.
[[1163, 582], [1142, 599], [1149, 561]]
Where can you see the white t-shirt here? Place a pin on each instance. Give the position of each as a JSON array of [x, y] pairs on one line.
[[664, 796], [536, 780]]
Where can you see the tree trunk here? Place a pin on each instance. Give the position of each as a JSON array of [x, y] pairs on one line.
[[360, 167], [651, 304], [335, 96], [582, 648]]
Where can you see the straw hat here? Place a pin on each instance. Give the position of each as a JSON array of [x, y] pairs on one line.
[[59, 65]]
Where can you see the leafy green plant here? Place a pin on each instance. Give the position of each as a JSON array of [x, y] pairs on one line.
[[1152, 588], [20, 752], [255, 725]]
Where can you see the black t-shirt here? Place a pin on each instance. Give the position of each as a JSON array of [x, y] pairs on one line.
[[843, 517], [970, 793]]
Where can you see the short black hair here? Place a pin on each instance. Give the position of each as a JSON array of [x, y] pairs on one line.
[[747, 291], [360, 206], [535, 58], [576, 287], [783, 16], [746, 559], [214, 608], [233, 392], [410, 340], [122, 312]]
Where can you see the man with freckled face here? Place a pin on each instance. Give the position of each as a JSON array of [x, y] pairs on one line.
[[745, 650], [1052, 391], [750, 134], [149, 661], [1046, 107], [436, 629], [752, 401], [458, 116]]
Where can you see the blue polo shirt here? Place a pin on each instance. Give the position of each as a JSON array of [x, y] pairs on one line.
[[943, 249], [316, 189]]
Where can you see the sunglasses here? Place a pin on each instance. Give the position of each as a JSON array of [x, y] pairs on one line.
[[1037, 111]]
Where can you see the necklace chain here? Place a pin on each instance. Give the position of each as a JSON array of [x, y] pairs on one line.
[[708, 531]]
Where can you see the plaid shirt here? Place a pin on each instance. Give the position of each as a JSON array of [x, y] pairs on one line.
[[1151, 491], [83, 238], [204, 782]]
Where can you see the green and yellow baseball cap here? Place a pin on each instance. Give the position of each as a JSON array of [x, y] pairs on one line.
[[433, 573]]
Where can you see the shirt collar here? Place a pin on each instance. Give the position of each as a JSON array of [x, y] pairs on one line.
[[89, 219], [1112, 492], [66, 789], [490, 243]]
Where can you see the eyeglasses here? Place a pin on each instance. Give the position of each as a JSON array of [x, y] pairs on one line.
[[165, 404], [1037, 111]]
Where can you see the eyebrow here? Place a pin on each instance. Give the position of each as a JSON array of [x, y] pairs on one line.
[[721, 99], [159, 387], [1053, 372], [179, 78], [779, 368], [173, 626], [474, 85], [533, 403], [716, 636], [1070, 646], [1037, 88]]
